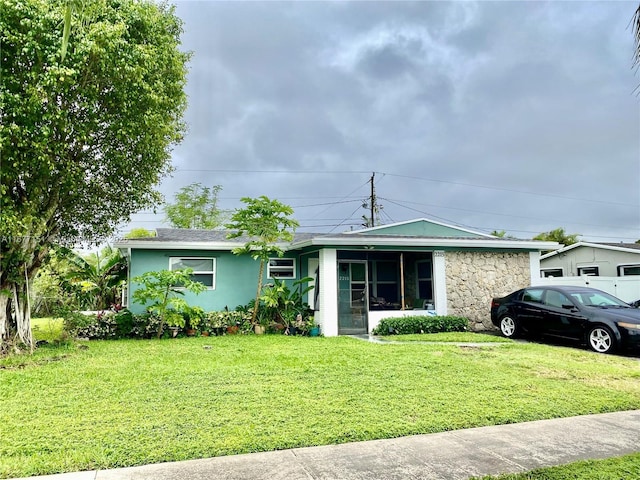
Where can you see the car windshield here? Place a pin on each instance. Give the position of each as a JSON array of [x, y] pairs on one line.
[[598, 299]]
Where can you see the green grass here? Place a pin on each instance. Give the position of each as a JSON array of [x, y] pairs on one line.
[[454, 337], [619, 468], [47, 329], [133, 402]]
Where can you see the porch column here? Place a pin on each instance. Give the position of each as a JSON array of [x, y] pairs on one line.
[[327, 316], [439, 282], [534, 266]]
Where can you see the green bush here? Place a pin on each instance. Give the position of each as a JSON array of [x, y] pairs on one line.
[[101, 325], [111, 325], [217, 322], [421, 324]]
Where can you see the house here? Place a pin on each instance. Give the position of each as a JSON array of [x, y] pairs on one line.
[[612, 267], [360, 277], [597, 259]]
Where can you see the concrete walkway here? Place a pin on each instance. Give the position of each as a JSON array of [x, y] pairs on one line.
[[450, 455]]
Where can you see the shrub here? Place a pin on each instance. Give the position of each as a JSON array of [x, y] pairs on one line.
[[217, 322], [421, 324], [101, 325]]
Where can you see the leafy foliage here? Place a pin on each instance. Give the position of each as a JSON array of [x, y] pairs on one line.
[[265, 222], [421, 324], [164, 289], [73, 134], [558, 235], [70, 280], [195, 206], [140, 233]]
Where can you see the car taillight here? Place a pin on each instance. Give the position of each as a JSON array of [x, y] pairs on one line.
[[495, 303]]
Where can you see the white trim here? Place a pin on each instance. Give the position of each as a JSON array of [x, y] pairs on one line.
[[212, 272], [270, 269], [578, 268], [429, 243], [622, 265], [327, 316], [440, 282], [591, 245], [534, 266], [551, 269]]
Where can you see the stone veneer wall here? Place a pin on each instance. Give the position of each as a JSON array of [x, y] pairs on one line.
[[474, 278]]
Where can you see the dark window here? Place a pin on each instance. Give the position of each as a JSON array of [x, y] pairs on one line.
[[592, 271], [533, 295], [624, 270], [204, 269], [551, 272]]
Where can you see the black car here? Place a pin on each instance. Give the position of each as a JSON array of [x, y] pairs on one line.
[[602, 321]]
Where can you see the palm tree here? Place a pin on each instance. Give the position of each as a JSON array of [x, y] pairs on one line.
[[100, 276]]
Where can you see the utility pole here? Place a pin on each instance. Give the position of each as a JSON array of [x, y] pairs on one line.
[[372, 201]]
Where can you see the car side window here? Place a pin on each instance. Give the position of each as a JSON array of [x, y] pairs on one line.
[[533, 295], [556, 299]]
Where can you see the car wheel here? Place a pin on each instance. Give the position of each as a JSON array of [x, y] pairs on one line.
[[509, 326], [601, 339]]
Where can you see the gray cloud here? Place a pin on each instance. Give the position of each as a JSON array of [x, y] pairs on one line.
[[518, 116]]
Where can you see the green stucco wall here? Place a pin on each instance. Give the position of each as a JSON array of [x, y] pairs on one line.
[[421, 229], [236, 277]]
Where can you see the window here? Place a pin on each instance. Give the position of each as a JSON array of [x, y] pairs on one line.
[[281, 268], [424, 275], [556, 299], [383, 281], [551, 272], [533, 295], [204, 269], [624, 270], [124, 300], [591, 271]]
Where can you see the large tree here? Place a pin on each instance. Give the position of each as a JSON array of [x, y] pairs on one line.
[[84, 140], [265, 223], [195, 206]]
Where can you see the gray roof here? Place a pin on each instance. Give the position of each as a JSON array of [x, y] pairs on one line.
[[174, 235], [634, 246]]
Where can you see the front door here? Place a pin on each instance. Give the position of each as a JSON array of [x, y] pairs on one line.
[[353, 300]]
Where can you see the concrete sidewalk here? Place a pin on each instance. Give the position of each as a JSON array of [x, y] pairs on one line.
[[450, 455]]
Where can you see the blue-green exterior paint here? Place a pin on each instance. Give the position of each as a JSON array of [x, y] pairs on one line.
[[235, 283], [421, 229]]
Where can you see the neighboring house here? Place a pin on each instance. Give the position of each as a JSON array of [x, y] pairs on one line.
[[612, 267], [360, 276], [594, 259]]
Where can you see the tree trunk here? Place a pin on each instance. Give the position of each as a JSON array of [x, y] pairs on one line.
[[5, 315], [256, 305]]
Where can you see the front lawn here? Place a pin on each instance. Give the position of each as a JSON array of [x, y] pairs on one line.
[[620, 468], [119, 403], [454, 337]]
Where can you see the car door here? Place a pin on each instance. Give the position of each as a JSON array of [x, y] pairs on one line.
[[562, 317], [530, 310]]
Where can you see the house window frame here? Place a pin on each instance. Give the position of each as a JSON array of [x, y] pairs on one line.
[[198, 272], [543, 271], [374, 281], [585, 267], [282, 268], [425, 279], [620, 269]]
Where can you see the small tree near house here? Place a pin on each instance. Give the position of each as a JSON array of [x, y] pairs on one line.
[[163, 290], [265, 222]]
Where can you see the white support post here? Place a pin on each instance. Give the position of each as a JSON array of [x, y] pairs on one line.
[[439, 282], [327, 316]]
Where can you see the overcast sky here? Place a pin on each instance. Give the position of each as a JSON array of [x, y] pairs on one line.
[[515, 116]]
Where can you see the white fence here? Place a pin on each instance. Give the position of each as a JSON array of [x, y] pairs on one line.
[[625, 288]]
